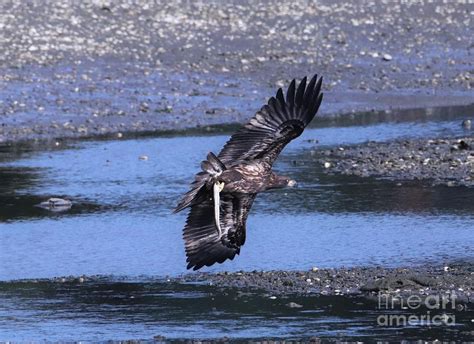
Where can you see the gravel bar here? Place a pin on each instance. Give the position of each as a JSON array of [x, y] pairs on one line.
[[455, 278], [440, 161]]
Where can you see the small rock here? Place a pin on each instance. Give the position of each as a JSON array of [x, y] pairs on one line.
[[56, 204], [466, 124], [314, 269], [294, 305], [119, 135], [143, 157], [463, 145], [144, 107], [280, 83], [327, 164], [387, 57]]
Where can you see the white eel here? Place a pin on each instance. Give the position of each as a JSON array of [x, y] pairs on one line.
[[217, 188]]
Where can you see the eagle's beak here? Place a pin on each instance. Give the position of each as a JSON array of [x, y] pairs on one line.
[[292, 183]]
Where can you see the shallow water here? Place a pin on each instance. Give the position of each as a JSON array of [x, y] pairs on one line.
[[117, 310], [121, 225]]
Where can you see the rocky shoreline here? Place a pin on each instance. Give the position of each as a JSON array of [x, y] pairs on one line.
[[447, 161], [455, 278]]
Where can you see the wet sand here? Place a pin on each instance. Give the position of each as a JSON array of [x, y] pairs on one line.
[[74, 69]]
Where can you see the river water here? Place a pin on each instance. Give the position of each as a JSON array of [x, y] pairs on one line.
[[121, 226]]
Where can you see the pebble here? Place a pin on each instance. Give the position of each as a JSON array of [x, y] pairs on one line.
[[387, 57], [466, 124], [294, 305]]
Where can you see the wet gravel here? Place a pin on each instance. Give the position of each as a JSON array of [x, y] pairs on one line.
[[455, 278], [438, 161], [77, 69]]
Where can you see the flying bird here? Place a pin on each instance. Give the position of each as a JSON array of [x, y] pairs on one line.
[[222, 194]]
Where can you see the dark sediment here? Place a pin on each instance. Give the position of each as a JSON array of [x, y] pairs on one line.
[[77, 69], [455, 278], [440, 161]]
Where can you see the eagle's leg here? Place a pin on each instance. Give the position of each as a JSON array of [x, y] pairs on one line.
[[217, 188]]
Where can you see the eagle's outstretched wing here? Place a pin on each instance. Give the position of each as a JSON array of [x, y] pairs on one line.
[[275, 124], [266, 134], [201, 236]]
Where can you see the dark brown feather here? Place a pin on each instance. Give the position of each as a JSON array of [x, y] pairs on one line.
[[202, 243], [275, 124]]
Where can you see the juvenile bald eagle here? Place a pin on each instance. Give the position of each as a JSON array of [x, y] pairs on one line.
[[223, 192]]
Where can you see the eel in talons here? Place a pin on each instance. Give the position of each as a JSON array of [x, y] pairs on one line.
[[217, 188]]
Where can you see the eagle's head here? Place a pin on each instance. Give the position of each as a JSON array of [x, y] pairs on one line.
[[277, 181]]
